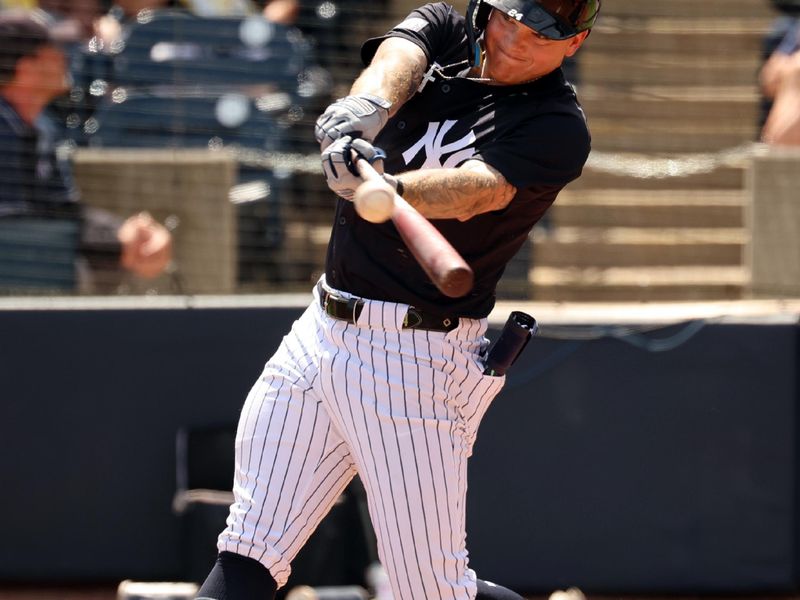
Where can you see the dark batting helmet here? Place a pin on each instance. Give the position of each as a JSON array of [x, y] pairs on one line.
[[554, 19]]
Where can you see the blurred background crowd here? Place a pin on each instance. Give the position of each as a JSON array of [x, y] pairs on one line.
[[239, 76]]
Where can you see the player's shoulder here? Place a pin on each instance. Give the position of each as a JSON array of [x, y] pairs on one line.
[[441, 11], [436, 15], [437, 28], [550, 99], [551, 123]]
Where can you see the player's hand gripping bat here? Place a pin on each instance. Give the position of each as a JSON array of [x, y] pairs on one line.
[[376, 201]]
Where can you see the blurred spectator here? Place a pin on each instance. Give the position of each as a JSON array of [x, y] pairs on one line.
[[780, 83], [75, 20], [221, 8], [113, 25], [79, 15], [282, 11], [36, 187], [779, 120]]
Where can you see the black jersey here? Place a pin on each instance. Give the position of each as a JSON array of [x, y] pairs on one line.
[[534, 133]]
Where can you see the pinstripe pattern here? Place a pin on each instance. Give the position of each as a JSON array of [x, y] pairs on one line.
[[400, 407]]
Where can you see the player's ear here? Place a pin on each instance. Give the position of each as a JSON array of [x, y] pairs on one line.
[[576, 42]]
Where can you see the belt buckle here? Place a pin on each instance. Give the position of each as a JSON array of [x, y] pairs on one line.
[[325, 297], [353, 305], [328, 300], [417, 316]]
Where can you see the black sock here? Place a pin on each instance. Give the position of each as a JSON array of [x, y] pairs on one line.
[[491, 591], [236, 577]]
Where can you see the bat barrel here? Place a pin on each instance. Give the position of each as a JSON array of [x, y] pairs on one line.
[[457, 282]]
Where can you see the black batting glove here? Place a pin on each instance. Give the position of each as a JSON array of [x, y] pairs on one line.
[[360, 116]]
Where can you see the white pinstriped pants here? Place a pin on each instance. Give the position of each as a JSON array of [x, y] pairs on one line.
[[399, 406]]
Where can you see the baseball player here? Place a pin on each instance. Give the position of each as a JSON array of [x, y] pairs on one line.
[[383, 375]]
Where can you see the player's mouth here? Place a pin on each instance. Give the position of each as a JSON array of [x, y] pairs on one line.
[[510, 56]]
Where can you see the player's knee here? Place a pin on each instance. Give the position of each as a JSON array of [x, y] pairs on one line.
[[236, 577], [491, 591]]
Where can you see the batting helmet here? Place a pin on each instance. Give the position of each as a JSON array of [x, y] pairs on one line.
[[554, 19]]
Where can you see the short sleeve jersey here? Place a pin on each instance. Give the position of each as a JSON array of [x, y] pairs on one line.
[[534, 134]]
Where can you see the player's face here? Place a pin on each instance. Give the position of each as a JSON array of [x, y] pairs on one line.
[[515, 53]]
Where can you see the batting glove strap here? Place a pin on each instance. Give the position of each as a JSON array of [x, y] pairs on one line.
[[339, 167], [374, 156], [364, 150], [359, 116]]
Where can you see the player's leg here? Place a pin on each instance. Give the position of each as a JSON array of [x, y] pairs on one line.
[[235, 577], [291, 466], [410, 412], [478, 401]]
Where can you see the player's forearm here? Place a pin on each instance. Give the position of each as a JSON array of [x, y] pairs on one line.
[[458, 193], [394, 73]]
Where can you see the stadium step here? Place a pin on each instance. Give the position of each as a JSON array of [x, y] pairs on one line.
[[676, 83], [649, 284], [566, 247], [679, 37], [622, 69], [666, 105], [690, 9], [625, 170], [643, 134], [650, 209]]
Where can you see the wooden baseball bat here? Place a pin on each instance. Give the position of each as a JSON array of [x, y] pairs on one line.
[[441, 262]]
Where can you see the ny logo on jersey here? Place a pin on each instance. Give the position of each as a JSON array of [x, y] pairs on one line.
[[432, 143]]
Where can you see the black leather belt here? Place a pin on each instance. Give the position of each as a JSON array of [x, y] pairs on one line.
[[348, 309]]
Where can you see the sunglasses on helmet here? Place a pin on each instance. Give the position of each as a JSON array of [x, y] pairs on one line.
[[554, 19]]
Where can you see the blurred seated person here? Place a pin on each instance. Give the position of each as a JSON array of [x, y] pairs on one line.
[[77, 15], [75, 21], [221, 8], [112, 25], [285, 12], [35, 182], [780, 82]]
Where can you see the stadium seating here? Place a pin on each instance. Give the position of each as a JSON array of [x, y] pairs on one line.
[[241, 84]]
